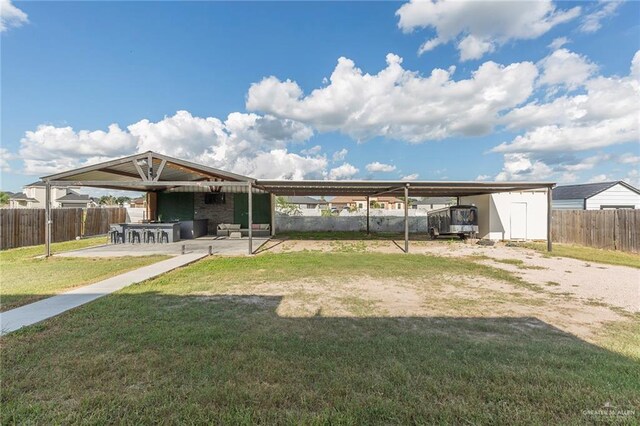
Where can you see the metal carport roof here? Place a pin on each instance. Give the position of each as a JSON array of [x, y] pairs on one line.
[[395, 188]]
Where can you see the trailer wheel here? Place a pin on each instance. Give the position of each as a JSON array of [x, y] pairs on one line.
[[432, 234]]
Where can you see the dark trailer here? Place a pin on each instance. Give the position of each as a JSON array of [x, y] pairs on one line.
[[454, 220]]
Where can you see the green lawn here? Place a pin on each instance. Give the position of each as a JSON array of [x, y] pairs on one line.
[[27, 277], [589, 254], [208, 344]]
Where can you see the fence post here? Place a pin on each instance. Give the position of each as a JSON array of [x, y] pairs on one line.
[[549, 220]]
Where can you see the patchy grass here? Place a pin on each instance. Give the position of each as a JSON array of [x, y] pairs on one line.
[[552, 284], [589, 254], [183, 348], [33, 251], [27, 277], [519, 263]]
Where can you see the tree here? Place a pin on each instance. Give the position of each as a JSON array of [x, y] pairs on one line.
[[374, 204], [287, 208], [110, 200], [121, 200], [4, 198]]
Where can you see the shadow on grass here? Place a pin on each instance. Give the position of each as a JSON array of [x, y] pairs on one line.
[[156, 358]]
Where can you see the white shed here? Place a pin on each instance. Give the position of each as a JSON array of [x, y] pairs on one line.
[[596, 196], [511, 215]]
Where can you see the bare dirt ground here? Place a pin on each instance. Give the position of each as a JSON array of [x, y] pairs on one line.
[[592, 282], [573, 295]]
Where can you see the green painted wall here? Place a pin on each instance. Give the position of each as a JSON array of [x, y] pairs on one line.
[[261, 209], [175, 206]]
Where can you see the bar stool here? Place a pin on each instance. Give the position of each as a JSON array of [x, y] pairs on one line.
[[162, 236], [115, 235], [132, 235], [148, 235]]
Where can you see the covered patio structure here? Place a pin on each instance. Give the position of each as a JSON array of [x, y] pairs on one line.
[[165, 180]]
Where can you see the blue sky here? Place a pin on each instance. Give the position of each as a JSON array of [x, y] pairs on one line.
[[258, 88]]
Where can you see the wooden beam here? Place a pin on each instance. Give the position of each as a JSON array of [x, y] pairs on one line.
[[149, 166], [139, 169], [156, 178], [120, 173]]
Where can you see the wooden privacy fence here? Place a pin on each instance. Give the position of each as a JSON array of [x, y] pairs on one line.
[[606, 229], [97, 220], [26, 227]]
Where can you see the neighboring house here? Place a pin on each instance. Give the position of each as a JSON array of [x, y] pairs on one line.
[[511, 215], [360, 203], [433, 203], [596, 196], [303, 202], [137, 203], [21, 200], [34, 197]]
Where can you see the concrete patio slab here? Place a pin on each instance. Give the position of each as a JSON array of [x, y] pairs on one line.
[[220, 245], [17, 318]]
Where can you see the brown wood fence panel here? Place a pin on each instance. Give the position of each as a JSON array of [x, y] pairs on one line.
[[67, 224], [21, 227], [628, 230], [26, 227], [97, 220], [605, 229]]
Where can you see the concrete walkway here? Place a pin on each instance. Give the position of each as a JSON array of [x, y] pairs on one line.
[[38, 311]]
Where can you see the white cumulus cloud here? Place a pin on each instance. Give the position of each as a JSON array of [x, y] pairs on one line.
[[605, 114], [11, 16], [566, 68], [379, 167], [592, 21], [345, 171], [412, 176], [557, 43], [479, 27], [247, 144], [398, 103], [340, 155]]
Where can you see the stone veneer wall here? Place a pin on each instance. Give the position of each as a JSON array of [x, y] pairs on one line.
[[216, 213]]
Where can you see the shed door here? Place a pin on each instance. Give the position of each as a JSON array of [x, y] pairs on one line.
[[518, 221]]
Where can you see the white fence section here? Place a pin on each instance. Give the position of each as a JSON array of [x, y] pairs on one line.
[[136, 214], [417, 223]]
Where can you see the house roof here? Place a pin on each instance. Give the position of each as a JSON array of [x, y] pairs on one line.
[[350, 199], [301, 199], [586, 190], [433, 200], [74, 197], [22, 197]]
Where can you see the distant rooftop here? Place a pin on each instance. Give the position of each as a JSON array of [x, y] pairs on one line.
[[40, 184], [22, 197], [434, 200], [303, 199], [74, 196], [585, 190]]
